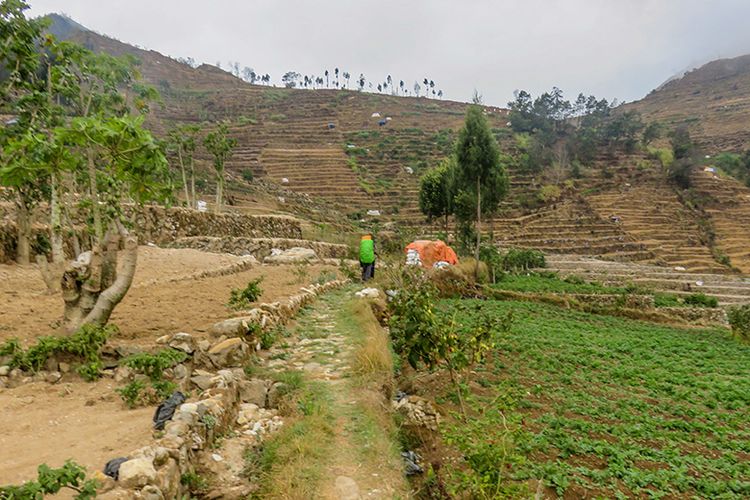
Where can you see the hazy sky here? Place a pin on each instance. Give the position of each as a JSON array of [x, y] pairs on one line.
[[611, 48]]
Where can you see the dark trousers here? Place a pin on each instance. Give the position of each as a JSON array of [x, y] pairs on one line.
[[368, 271]]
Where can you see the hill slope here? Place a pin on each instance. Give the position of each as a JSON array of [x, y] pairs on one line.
[[713, 100], [329, 144]]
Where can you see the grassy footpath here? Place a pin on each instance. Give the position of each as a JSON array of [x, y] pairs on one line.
[[598, 406], [337, 433]]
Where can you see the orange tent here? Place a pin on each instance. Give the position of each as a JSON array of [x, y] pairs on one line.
[[433, 251]]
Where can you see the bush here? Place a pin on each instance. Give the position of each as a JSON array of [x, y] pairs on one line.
[[51, 481], [701, 300], [665, 157], [85, 345], [247, 175], [153, 365], [550, 193], [739, 320], [242, 298], [518, 260]]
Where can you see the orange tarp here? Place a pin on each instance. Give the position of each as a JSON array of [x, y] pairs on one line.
[[433, 251]]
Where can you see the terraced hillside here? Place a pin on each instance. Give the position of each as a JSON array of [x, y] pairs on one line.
[[330, 144], [727, 203], [727, 289]]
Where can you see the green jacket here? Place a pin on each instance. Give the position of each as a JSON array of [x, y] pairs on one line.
[[367, 251]]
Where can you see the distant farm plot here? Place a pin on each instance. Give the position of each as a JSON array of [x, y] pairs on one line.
[[597, 406]]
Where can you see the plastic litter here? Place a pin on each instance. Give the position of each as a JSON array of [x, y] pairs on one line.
[[201, 206], [411, 461], [382, 122], [374, 213], [284, 180], [166, 409], [112, 469], [376, 115], [331, 126]]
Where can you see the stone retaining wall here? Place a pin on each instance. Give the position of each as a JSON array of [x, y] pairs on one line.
[[260, 247], [154, 471], [164, 225]]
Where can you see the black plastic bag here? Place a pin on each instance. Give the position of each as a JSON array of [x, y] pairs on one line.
[[112, 469], [166, 409], [411, 461]]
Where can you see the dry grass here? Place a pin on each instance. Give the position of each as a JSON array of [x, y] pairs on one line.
[[373, 357]]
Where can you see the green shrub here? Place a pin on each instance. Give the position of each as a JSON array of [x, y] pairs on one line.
[[701, 300], [739, 320], [664, 156], [242, 298], [50, 481], [517, 260], [247, 175], [131, 393], [549, 193], [84, 345], [153, 365]]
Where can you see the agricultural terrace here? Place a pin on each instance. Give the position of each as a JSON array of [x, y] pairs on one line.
[[598, 406]]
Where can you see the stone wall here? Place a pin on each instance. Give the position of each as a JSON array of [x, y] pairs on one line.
[[164, 225], [260, 247], [153, 472]]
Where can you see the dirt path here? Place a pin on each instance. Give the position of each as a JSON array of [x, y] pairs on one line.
[[363, 461]]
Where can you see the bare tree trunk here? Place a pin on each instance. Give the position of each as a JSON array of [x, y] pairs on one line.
[[192, 181], [94, 193], [56, 237], [23, 235], [184, 177], [479, 227], [91, 285], [219, 190]]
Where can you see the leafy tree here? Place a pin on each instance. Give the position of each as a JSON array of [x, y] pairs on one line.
[[347, 75], [479, 170], [220, 146], [682, 144], [652, 132], [249, 75], [361, 81], [436, 191], [401, 85], [326, 73], [290, 79]]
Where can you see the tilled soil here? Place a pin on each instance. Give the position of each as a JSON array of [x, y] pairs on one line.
[[49, 424], [88, 422], [151, 308]]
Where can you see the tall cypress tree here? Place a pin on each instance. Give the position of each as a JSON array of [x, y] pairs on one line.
[[480, 171]]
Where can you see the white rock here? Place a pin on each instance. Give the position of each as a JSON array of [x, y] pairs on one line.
[[4, 371], [216, 457], [137, 473]]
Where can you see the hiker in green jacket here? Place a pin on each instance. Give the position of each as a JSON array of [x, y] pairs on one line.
[[367, 256]]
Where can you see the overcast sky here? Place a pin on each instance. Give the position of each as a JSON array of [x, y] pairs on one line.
[[611, 48]]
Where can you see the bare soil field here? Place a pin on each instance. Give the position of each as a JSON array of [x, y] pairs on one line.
[[165, 296], [88, 422], [52, 423]]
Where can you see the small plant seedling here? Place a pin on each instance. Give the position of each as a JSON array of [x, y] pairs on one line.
[[240, 298]]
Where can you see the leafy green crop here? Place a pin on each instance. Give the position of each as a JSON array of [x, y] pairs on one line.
[[604, 407]]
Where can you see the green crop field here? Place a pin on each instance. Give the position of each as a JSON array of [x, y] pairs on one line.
[[603, 407]]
